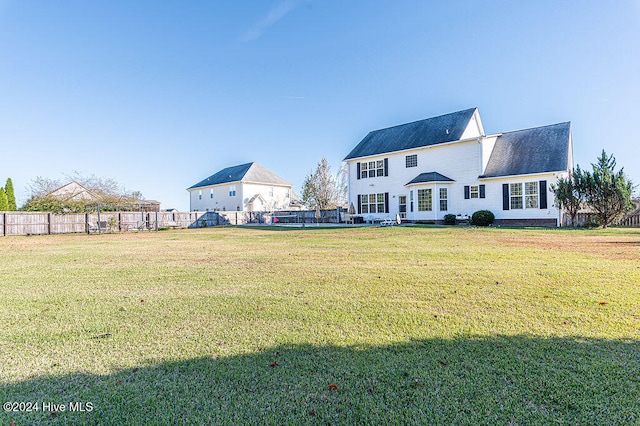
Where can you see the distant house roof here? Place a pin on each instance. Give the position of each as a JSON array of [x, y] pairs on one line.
[[250, 172], [73, 191], [431, 131], [537, 150], [430, 177]]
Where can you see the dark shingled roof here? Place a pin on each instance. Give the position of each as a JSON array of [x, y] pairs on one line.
[[431, 131], [430, 177], [250, 172], [537, 150]]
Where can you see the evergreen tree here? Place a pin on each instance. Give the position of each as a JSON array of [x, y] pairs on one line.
[[607, 192], [11, 197], [569, 193], [4, 205]]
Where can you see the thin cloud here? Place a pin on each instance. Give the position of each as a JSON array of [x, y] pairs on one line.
[[276, 13]]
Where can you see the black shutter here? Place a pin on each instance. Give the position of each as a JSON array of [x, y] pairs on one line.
[[466, 192], [386, 202], [359, 201], [358, 170], [543, 194], [482, 191], [386, 167], [505, 196]]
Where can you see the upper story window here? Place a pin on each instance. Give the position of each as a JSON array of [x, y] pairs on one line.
[[200, 194], [232, 191], [211, 193], [371, 169], [474, 192], [411, 160]]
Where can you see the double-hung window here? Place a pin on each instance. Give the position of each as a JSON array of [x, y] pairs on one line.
[[371, 169], [443, 199], [232, 191], [515, 190], [531, 195]]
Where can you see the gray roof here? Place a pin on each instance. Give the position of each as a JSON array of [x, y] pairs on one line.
[[250, 172], [430, 177], [431, 131], [537, 150]]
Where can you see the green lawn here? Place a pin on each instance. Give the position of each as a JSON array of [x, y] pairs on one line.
[[397, 325]]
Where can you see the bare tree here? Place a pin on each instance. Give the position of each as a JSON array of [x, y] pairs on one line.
[[323, 190]]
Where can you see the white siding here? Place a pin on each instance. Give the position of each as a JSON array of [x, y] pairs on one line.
[[275, 197], [459, 161], [494, 198], [221, 200]]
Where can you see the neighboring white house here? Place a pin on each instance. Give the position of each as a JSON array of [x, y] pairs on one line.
[[448, 165], [246, 187]]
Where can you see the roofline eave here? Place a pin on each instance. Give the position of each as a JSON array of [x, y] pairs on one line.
[[435, 145], [552, 172]]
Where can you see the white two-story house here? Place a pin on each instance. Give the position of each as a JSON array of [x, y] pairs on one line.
[[448, 165], [246, 187]]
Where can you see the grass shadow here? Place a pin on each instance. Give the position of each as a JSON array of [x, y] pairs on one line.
[[466, 380]]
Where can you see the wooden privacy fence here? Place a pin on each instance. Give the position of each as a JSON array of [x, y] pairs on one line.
[[583, 219], [37, 223]]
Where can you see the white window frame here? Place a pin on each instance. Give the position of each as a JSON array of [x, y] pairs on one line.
[[531, 196], [444, 199], [411, 160], [232, 191], [425, 200], [516, 193]]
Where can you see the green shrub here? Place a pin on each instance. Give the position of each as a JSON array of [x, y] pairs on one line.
[[449, 219], [482, 218]]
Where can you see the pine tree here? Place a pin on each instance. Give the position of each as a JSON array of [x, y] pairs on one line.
[[607, 192], [11, 197], [4, 205]]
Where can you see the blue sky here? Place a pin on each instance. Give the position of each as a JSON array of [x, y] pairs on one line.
[[159, 95]]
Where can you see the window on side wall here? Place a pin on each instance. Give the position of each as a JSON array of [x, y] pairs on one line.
[[411, 160], [531, 195], [474, 191], [200, 195], [364, 170], [443, 199], [232, 191], [515, 190]]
